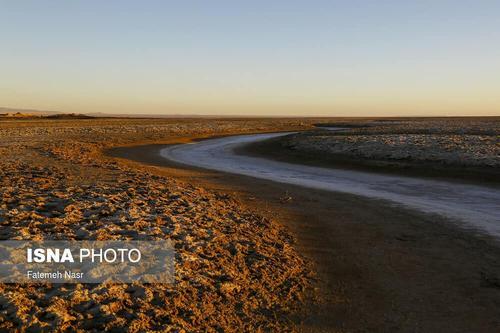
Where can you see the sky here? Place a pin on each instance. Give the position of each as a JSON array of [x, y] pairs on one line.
[[281, 57]]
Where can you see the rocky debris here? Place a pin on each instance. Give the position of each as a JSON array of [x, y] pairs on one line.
[[235, 270], [459, 142]]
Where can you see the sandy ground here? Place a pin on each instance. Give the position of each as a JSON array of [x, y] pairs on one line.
[[381, 269]]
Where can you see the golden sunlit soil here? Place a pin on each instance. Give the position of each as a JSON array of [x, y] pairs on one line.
[[251, 255], [235, 269]]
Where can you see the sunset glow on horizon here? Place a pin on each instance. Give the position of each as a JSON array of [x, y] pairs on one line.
[[289, 58]]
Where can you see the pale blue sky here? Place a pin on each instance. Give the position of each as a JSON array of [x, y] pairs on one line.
[[254, 57]]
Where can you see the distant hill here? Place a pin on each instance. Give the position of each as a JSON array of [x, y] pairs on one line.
[[27, 113], [11, 113], [4, 111]]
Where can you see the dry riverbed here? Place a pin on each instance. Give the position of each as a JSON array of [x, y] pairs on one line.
[[252, 255], [380, 267]]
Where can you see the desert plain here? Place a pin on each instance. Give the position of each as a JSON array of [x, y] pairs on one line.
[[252, 255]]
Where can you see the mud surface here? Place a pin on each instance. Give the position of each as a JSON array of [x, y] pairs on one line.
[[380, 268], [251, 255], [476, 206]]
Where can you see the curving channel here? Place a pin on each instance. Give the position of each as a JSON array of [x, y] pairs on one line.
[[477, 206]]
